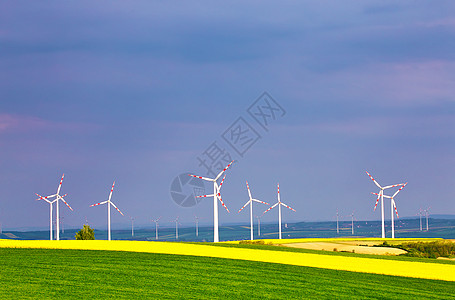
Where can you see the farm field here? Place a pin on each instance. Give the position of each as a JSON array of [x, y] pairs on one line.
[[428, 269], [57, 273]]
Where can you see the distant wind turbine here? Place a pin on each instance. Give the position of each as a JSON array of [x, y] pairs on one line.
[[176, 228], [427, 214], [156, 227], [132, 226]]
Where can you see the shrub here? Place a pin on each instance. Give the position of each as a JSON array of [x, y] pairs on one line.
[[86, 233]]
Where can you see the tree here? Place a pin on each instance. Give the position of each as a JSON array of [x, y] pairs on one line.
[[86, 233]]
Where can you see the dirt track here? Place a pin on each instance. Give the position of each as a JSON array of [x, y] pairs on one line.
[[348, 247]]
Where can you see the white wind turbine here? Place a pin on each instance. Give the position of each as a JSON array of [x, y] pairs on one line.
[[156, 227], [393, 207], [352, 223], [381, 196], [109, 203], [132, 226], [176, 228], [197, 225], [57, 197], [259, 225], [250, 202], [50, 212], [427, 214], [216, 195], [338, 228], [420, 216], [279, 203]]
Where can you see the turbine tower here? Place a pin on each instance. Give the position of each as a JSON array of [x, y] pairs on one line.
[[381, 196], [393, 207], [352, 223], [196, 218], [427, 214], [259, 225], [279, 203], [132, 226], [156, 227], [176, 228], [50, 212], [109, 203], [216, 195], [57, 198], [420, 216], [338, 228], [250, 202]]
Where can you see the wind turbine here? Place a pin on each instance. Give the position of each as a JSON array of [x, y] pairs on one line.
[[250, 203], [420, 216], [156, 227], [279, 203], [216, 195], [176, 228], [50, 212], [393, 207], [57, 197], [352, 222], [381, 196], [338, 228], [197, 225], [259, 225], [132, 226], [109, 203], [426, 214]]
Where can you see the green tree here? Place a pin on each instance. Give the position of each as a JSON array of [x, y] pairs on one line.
[[86, 233]]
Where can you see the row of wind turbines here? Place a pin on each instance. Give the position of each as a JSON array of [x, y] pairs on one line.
[[51, 199], [56, 198]]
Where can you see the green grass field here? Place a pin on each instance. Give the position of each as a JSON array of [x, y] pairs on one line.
[[43, 273]]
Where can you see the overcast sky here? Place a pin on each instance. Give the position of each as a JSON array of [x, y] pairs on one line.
[[141, 93]]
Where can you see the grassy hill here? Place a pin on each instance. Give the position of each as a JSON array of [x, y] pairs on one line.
[[46, 273]]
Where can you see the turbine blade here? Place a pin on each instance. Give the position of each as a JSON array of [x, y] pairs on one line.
[[61, 198], [375, 182], [112, 189], [259, 201], [395, 207], [200, 177], [248, 188], [272, 207], [279, 193], [222, 203], [399, 190], [60, 184], [219, 187], [224, 170], [96, 204], [377, 200], [287, 206], [204, 196], [116, 208], [393, 185], [246, 204], [44, 198]]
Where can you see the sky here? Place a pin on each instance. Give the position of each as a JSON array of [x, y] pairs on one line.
[[307, 94]]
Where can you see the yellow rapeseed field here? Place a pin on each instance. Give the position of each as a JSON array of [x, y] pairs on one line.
[[355, 264]]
